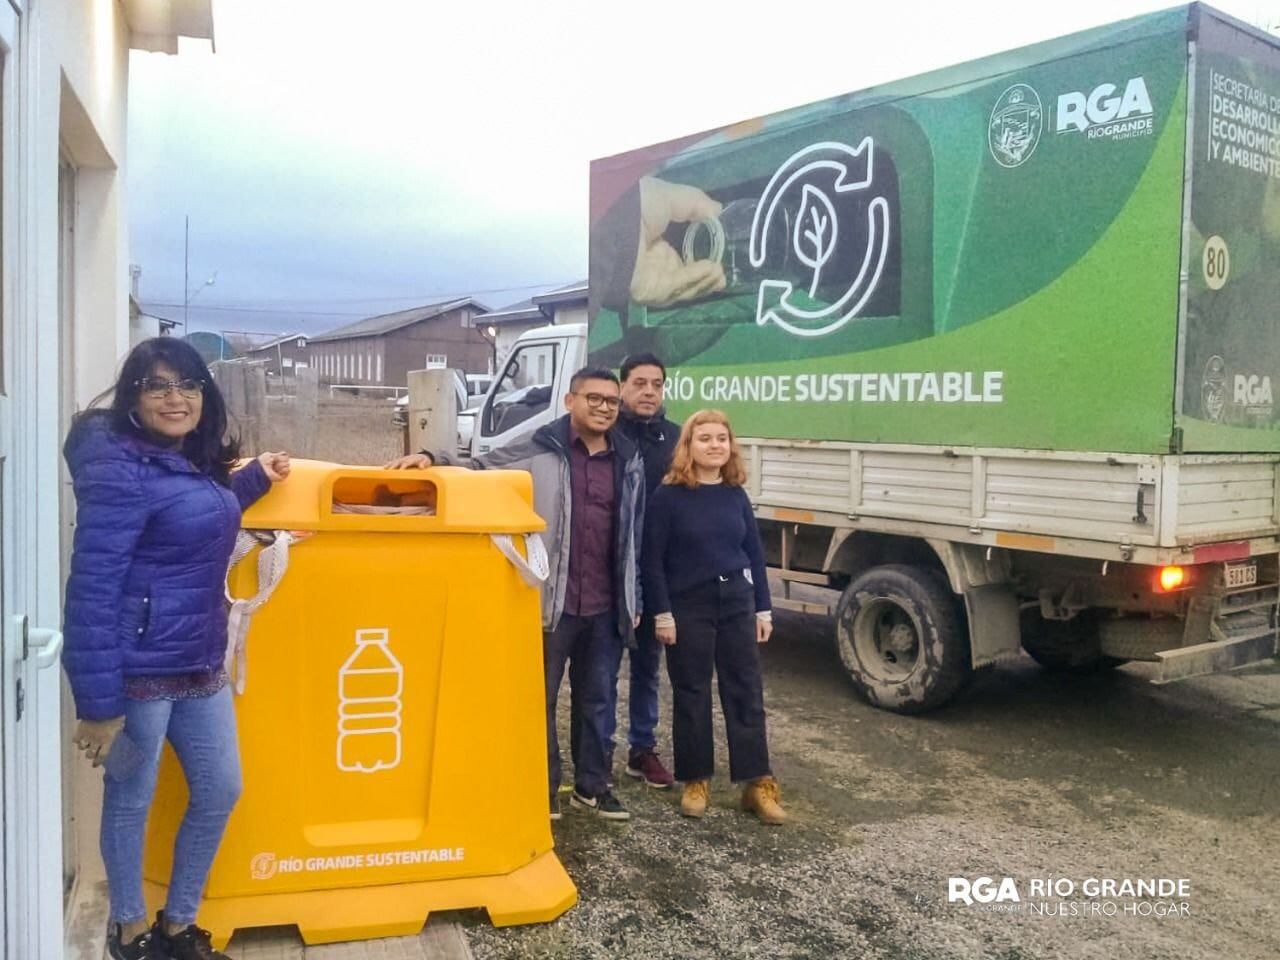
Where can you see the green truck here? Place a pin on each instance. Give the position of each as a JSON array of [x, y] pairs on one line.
[[1001, 343]]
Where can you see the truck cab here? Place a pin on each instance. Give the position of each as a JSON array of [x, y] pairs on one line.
[[530, 385]]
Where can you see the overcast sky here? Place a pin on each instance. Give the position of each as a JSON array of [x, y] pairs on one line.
[[342, 159]]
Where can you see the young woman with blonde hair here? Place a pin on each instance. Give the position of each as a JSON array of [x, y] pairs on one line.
[[705, 581]]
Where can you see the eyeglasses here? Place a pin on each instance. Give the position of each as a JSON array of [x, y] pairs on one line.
[[598, 400], [157, 388]]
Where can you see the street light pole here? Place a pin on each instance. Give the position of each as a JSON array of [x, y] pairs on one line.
[[186, 260]]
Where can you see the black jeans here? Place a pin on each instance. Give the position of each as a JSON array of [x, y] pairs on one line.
[[591, 647], [716, 629]]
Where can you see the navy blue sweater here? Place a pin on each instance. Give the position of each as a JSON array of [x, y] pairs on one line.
[[693, 536]]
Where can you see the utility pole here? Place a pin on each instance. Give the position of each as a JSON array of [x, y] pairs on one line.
[[186, 260]]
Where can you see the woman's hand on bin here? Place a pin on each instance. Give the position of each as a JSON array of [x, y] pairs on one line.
[[95, 737], [275, 465], [414, 461]]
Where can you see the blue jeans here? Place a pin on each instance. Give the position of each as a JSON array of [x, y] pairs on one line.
[[202, 731], [591, 648], [642, 702]]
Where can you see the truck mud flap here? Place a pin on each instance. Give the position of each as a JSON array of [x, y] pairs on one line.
[[1214, 657]]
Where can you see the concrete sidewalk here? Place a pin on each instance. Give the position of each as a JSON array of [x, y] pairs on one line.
[[440, 940]]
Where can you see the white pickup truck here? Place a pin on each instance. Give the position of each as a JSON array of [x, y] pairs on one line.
[[951, 558]]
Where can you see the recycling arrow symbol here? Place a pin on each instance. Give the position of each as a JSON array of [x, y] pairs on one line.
[[815, 235]]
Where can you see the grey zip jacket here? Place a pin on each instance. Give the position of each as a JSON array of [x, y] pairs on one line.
[[545, 454]]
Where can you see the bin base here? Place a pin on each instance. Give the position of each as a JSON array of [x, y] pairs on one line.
[[536, 893]]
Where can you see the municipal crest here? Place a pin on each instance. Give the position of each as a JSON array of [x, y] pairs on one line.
[[1017, 120]]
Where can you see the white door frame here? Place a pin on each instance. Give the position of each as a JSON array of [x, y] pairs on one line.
[[30, 685]]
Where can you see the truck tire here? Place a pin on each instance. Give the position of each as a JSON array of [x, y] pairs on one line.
[[901, 639], [1065, 646]]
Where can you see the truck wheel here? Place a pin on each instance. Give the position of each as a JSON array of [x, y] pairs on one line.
[[1065, 646], [901, 640]]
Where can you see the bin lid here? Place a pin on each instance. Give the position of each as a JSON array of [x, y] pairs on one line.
[[458, 500]]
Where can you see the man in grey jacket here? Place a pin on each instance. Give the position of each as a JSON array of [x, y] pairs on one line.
[[589, 486]]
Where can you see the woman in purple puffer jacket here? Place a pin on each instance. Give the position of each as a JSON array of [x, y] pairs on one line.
[[158, 507]]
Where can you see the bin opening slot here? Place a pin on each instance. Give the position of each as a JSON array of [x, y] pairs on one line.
[[381, 496]]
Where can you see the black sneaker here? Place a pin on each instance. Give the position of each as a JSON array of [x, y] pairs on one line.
[[141, 947], [604, 805], [192, 943], [555, 806]]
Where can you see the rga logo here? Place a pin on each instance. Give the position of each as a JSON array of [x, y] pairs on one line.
[[1253, 393], [982, 890], [1015, 126], [263, 866], [1104, 113]]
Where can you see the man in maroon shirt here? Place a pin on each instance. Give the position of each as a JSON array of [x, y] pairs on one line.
[[589, 486]]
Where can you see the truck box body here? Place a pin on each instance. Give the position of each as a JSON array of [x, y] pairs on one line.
[[1068, 247]]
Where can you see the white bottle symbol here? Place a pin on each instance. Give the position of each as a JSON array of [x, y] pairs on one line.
[[370, 685]]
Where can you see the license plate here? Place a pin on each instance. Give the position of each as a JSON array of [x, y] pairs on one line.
[[1242, 574]]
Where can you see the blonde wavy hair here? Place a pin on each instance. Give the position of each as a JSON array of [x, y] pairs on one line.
[[682, 472]]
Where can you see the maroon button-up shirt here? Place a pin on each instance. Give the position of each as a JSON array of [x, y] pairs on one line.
[[589, 589]]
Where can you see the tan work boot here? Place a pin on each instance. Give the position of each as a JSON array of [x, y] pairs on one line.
[[693, 802], [761, 797]]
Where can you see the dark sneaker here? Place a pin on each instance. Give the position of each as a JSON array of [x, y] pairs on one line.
[[141, 947], [192, 943], [555, 806], [605, 805], [645, 765]]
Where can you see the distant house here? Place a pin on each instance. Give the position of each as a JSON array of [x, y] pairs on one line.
[[143, 325], [566, 304], [282, 356], [380, 351]]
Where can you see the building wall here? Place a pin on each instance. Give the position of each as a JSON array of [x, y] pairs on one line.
[[356, 360], [571, 313], [288, 352], [82, 106], [446, 335]]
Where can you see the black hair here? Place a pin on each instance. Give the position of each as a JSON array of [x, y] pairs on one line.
[[207, 446], [641, 360], [590, 373]]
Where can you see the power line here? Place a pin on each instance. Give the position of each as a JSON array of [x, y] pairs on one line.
[[286, 313], [245, 305]]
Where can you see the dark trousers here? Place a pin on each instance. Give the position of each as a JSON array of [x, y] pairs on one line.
[[716, 630], [591, 647], [642, 704]]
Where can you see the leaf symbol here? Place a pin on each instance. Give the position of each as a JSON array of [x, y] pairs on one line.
[[815, 232]]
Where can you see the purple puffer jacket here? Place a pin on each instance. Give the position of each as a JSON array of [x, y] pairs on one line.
[[153, 537]]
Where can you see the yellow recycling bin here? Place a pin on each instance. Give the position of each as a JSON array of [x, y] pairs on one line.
[[391, 722]]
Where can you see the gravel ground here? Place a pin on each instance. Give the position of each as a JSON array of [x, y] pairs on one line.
[[1028, 776]]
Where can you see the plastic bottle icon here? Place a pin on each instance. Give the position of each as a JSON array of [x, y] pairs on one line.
[[370, 687]]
